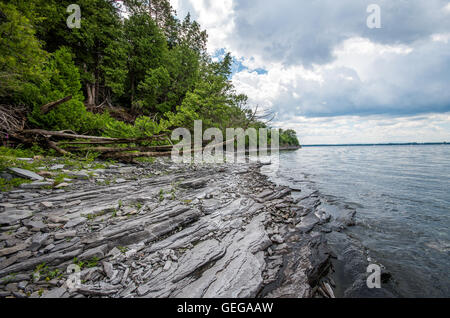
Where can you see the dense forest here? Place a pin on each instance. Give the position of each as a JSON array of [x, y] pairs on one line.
[[132, 70]]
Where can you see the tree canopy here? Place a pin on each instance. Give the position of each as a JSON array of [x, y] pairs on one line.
[[136, 57]]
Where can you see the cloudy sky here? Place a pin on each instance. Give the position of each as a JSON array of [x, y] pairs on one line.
[[328, 75]]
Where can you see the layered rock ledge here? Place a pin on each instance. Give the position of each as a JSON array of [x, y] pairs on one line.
[[162, 230]]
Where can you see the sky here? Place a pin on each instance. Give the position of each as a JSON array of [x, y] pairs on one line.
[[330, 77]]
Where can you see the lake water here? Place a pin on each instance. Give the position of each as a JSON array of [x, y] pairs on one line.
[[401, 195]]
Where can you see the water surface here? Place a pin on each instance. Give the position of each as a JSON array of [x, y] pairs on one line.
[[401, 195]]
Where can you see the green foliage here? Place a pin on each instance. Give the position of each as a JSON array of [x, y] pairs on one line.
[[22, 153], [288, 138], [148, 62], [143, 127], [8, 185], [21, 53], [43, 271], [63, 79], [91, 263]]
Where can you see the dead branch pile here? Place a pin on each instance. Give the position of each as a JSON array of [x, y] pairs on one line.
[[13, 122], [12, 118], [119, 148]]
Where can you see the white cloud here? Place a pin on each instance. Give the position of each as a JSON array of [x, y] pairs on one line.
[[447, 8], [214, 16], [322, 60], [441, 37], [372, 129]]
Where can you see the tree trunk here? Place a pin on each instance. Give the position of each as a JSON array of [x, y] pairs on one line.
[[90, 94]]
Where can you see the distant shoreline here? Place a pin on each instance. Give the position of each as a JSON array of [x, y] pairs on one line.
[[374, 145]]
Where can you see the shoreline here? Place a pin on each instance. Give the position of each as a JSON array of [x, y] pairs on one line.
[[160, 230]]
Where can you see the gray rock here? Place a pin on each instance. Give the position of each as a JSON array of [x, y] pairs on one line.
[[26, 174], [62, 185], [308, 223], [167, 265], [6, 176], [108, 269], [54, 293], [14, 216], [64, 235], [194, 184], [98, 252], [277, 239], [22, 285], [57, 167], [38, 241], [57, 219], [127, 291], [36, 226], [46, 205], [80, 175], [104, 290], [125, 276], [48, 248], [14, 249], [75, 222], [201, 255], [36, 185], [12, 287]]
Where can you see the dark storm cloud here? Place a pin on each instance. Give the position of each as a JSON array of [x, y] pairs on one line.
[[292, 31]]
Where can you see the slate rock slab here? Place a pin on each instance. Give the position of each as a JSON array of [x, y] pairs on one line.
[[26, 174]]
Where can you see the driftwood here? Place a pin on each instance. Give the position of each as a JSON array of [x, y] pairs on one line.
[[50, 140], [50, 106], [133, 146], [112, 149], [54, 146], [62, 134], [127, 156]]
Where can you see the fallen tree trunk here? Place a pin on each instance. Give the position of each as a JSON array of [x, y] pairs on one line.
[[50, 106], [135, 155], [111, 149], [53, 145], [60, 134]]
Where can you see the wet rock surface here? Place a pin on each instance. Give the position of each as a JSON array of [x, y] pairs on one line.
[[162, 230]]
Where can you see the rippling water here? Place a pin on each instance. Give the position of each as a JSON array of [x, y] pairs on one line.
[[402, 198]]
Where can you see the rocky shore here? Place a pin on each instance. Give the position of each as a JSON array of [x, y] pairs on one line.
[[162, 230]]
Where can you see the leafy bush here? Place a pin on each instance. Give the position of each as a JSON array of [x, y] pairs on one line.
[[21, 53], [143, 127], [63, 79]]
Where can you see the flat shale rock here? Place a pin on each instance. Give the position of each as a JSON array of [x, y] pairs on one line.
[[26, 174], [217, 232], [14, 216]]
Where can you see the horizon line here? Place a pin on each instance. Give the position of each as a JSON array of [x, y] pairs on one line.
[[379, 144]]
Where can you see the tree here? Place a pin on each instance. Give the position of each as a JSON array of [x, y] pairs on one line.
[[147, 50], [62, 78], [21, 55], [99, 27]]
